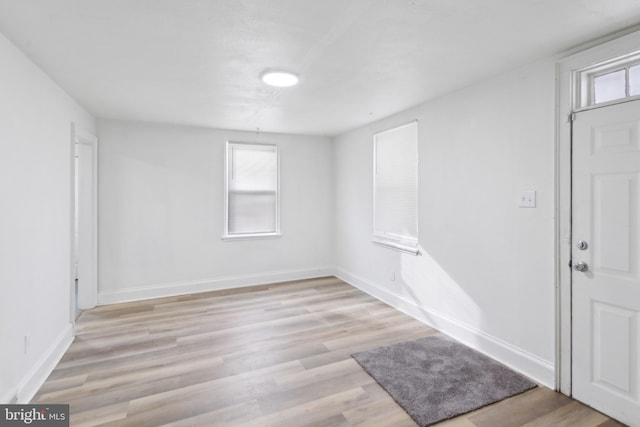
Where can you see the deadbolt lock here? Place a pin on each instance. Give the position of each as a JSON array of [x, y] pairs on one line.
[[582, 245]]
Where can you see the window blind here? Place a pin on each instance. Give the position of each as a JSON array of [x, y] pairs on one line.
[[396, 187], [252, 189]]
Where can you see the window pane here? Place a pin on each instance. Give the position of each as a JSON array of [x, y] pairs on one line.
[[609, 86], [252, 213], [396, 184], [634, 80], [252, 189]]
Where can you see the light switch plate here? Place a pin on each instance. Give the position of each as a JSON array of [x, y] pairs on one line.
[[527, 199]]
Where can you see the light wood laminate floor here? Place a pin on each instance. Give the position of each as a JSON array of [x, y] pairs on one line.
[[275, 355]]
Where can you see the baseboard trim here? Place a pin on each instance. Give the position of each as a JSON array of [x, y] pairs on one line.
[[38, 374], [516, 358], [230, 282]]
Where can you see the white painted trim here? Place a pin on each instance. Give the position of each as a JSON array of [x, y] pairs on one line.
[[566, 89], [72, 226], [397, 245], [250, 236], [229, 282], [516, 358], [38, 374]]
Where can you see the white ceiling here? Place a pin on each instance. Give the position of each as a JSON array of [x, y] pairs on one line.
[[198, 62]]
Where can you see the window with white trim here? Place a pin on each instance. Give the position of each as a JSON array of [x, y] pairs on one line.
[[251, 190], [395, 188], [608, 82]]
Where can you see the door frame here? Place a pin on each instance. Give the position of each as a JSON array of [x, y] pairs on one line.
[[82, 136], [615, 46]]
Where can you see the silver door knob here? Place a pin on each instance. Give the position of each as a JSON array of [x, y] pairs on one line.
[[580, 266]]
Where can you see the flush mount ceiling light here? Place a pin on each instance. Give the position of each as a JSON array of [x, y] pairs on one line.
[[279, 78]]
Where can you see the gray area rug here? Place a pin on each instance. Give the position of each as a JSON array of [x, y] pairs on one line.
[[436, 378]]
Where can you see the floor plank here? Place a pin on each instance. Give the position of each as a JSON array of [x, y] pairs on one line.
[[272, 355]]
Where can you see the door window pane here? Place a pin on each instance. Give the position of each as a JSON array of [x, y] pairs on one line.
[[609, 86]]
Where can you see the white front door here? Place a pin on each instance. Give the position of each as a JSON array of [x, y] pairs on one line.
[[606, 294]]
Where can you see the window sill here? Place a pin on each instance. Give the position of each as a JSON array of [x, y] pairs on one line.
[[398, 246], [232, 237]]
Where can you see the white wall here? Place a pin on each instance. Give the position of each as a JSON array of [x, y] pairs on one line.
[[486, 273], [35, 222], [161, 212]]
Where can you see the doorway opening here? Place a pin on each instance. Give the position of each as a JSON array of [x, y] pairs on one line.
[[85, 220]]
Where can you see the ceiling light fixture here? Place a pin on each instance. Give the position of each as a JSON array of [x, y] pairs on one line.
[[279, 78]]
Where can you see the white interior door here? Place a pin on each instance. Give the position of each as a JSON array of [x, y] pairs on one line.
[[606, 295], [86, 219]]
